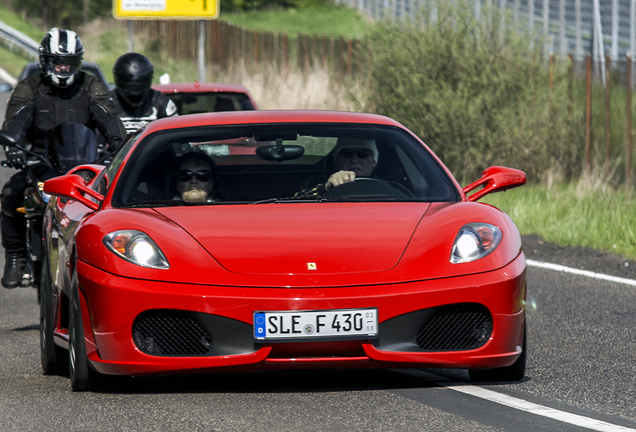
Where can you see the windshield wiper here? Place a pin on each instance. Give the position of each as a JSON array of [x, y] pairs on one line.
[[286, 199], [156, 203], [308, 199]]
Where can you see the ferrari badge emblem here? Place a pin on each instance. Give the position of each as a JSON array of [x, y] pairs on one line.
[[311, 266]]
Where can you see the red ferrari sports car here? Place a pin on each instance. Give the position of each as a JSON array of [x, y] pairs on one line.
[[264, 240], [195, 97]]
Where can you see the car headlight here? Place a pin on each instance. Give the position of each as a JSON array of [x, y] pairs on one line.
[[475, 241], [136, 247]]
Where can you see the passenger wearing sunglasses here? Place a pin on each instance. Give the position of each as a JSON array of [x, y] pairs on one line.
[[196, 178], [352, 157]]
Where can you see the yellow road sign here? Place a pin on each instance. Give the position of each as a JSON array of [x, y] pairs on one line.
[[162, 9]]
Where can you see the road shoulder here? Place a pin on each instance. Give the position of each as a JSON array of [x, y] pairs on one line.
[[578, 257]]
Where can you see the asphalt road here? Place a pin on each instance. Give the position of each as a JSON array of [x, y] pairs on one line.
[[581, 361], [581, 371]]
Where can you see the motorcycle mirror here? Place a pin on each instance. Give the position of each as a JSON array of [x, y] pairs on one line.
[[10, 139]]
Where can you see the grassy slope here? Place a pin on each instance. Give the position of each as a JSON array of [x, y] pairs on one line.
[[586, 213], [16, 21], [11, 62], [318, 20]]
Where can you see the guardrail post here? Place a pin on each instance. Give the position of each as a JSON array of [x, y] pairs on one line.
[[607, 115], [349, 57], [588, 115], [285, 53], [628, 133], [256, 46]]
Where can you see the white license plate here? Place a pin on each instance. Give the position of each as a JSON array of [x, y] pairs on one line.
[[328, 324]]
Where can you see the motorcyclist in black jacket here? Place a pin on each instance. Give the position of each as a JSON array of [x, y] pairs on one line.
[[137, 103], [60, 93]]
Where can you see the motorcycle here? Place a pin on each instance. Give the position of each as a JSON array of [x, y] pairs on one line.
[[67, 146]]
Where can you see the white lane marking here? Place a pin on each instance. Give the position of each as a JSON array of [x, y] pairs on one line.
[[519, 404], [6, 76], [586, 273]]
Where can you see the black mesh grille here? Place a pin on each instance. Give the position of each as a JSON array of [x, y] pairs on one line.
[[462, 326], [86, 174], [170, 333]]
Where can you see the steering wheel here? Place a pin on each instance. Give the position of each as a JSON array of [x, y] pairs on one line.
[[367, 187], [372, 179]]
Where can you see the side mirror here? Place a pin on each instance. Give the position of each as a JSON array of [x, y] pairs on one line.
[[95, 168], [72, 187], [9, 138], [496, 179], [6, 87]]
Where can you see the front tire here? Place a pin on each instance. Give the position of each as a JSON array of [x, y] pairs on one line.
[[52, 356], [82, 376], [514, 372]]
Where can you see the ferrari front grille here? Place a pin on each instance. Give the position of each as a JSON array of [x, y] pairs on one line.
[[456, 327], [170, 333]]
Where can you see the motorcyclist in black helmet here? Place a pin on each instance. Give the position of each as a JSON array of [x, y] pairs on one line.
[[60, 93], [137, 103]]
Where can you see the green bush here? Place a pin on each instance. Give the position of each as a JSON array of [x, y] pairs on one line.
[[62, 14], [475, 91], [70, 13]]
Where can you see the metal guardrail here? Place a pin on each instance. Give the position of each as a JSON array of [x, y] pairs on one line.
[[18, 41]]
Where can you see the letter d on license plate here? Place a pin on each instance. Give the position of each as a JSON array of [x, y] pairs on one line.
[[337, 324]]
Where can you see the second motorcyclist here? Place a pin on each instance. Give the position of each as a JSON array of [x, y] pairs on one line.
[[60, 93], [137, 103]]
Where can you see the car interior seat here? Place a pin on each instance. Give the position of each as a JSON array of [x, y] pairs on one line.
[[223, 104]]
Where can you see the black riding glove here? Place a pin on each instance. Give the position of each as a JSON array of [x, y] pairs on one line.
[[16, 158]]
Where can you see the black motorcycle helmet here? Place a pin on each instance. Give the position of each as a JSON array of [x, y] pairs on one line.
[[60, 55], [133, 76]]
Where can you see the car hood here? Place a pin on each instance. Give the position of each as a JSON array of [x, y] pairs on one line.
[[299, 245], [294, 239]]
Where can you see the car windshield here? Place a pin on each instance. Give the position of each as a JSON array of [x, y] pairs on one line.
[[194, 103], [280, 163]]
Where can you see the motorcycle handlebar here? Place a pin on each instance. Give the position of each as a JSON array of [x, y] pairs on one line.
[[31, 161]]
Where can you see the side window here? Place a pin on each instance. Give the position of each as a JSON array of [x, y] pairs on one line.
[[245, 103], [102, 182]]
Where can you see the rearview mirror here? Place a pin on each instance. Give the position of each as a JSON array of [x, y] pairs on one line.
[[72, 187], [9, 138], [280, 152], [496, 179]]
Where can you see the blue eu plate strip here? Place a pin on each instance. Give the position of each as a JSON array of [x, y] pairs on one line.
[[259, 325]]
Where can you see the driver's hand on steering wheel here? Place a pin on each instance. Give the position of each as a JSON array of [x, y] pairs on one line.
[[339, 178]]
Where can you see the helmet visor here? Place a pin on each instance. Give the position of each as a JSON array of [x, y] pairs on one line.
[[136, 91], [62, 66]]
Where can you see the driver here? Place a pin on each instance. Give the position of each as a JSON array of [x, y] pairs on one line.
[[352, 157]]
